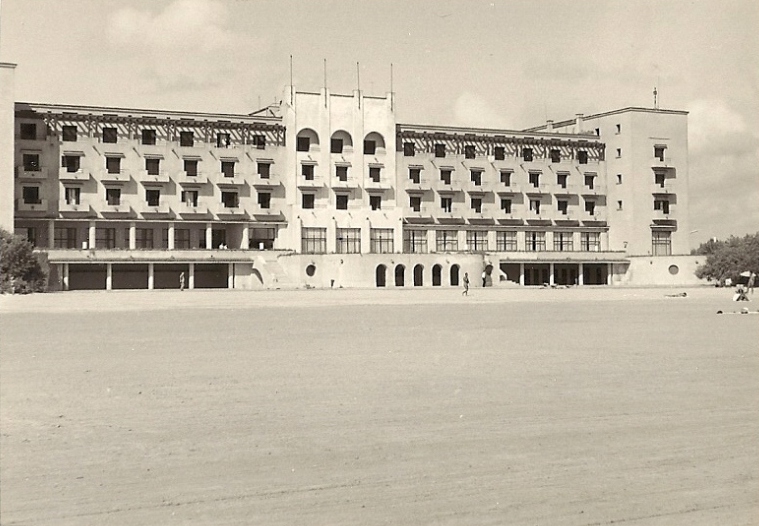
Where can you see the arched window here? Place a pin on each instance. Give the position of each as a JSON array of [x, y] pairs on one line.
[[305, 139], [374, 143], [339, 140]]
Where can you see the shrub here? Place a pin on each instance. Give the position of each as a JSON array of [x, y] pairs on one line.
[[727, 259], [21, 270]]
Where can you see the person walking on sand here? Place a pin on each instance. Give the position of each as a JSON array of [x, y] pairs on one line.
[[181, 281], [466, 284]]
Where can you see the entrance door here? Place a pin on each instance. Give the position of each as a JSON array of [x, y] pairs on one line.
[[380, 275], [436, 278], [400, 275], [455, 275], [418, 276]]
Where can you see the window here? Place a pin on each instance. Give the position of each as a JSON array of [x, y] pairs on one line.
[[190, 197], [262, 238], [477, 204], [619, 178], [336, 146], [113, 196], [527, 154], [153, 166], [535, 206], [500, 153], [28, 131], [469, 152], [415, 241], [476, 176], [439, 150], [506, 178], [105, 238], [31, 195], [181, 238], [535, 241], [348, 241], [590, 241], [191, 167], [661, 243], [375, 202], [113, 165], [144, 238], [590, 208], [69, 133], [408, 149], [264, 170], [228, 168], [73, 195], [223, 140], [535, 179], [314, 240], [341, 201], [264, 200], [186, 138], [415, 202], [555, 156], [64, 238], [342, 173], [110, 135], [659, 179], [619, 153], [72, 163], [445, 176], [619, 205], [506, 241], [618, 129], [563, 206], [308, 171], [446, 204], [582, 157], [561, 179], [477, 240], [562, 242], [153, 197], [590, 181], [381, 240], [506, 205], [230, 199], [414, 174], [308, 200], [370, 147], [302, 144], [31, 162], [447, 240], [659, 152], [148, 136], [661, 205], [259, 141], [374, 174]]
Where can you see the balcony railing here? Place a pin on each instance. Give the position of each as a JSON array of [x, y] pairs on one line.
[[39, 206], [161, 177], [348, 182], [668, 186], [30, 173], [122, 176], [314, 182], [568, 189], [223, 179], [597, 189], [72, 207], [266, 182], [184, 178], [65, 175], [198, 208]]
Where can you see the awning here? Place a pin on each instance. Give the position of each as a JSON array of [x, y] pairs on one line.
[[73, 153], [114, 154], [153, 156]]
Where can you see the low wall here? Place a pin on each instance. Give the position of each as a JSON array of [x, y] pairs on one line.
[[659, 270]]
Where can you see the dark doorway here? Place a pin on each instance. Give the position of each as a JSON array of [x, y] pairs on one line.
[[381, 275], [455, 275], [436, 278], [418, 275], [218, 237], [400, 276]]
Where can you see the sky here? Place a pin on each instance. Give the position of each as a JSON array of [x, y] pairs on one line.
[[507, 64]]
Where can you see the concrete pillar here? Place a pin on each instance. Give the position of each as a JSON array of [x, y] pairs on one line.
[[108, 276], [91, 236], [398, 245], [65, 276], [191, 280], [231, 276], [245, 245], [550, 275], [580, 279], [132, 236], [521, 274], [431, 240], [366, 237], [151, 275], [332, 236], [608, 274], [51, 233], [492, 240], [171, 236], [209, 236], [461, 238]]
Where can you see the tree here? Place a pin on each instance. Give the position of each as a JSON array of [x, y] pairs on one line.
[[21, 270], [727, 259]]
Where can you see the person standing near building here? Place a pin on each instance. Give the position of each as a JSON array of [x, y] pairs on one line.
[[181, 281], [751, 280], [466, 284]]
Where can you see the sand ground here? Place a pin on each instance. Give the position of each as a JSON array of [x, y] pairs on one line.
[[331, 407]]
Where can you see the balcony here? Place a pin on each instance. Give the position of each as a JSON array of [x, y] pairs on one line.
[[423, 215], [37, 208], [122, 176], [598, 216], [540, 189], [270, 213], [668, 186], [185, 179], [30, 173], [543, 217], [223, 179], [72, 209], [315, 182], [453, 215], [271, 181], [597, 189], [665, 163], [120, 210], [161, 211], [160, 178], [231, 213], [377, 186], [348, 183], [511, 189], [569, 189], [192, 209], [571, 215], [669, 213], [420, 185], [79, 176]]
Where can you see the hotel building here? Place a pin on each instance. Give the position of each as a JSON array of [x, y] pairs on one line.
[[329, 190]]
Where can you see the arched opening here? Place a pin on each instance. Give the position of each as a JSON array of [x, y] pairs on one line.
[[488, 281], [305, 139], [374, 143], [436, 275], [380, 276], [400, 275], [418, 275], [339, 140], [454, 275]]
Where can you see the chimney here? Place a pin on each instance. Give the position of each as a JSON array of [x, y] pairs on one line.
[[549, 125], [578, 122]]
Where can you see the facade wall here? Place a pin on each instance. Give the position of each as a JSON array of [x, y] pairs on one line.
[[7, 99], [660, 271]]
